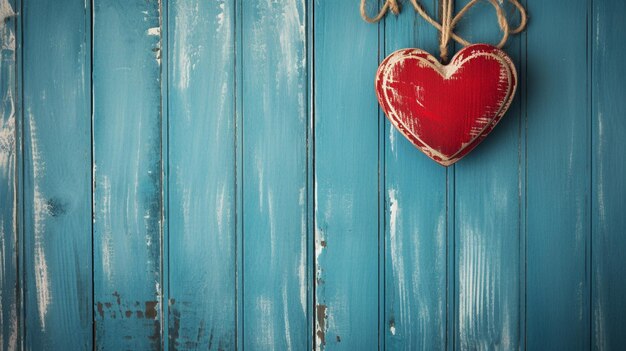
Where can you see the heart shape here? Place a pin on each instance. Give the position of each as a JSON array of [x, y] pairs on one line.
[[446, 110]]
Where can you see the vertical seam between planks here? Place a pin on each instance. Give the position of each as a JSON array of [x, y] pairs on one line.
[[313, 269], [22, 189], [165, 237], [522, 194], [380, 27], [525, 104], [19, 176], [310, 37], [589, 253], [93, 178], [238, 147]]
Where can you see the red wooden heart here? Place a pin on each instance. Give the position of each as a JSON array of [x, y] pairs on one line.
[[446, 110]]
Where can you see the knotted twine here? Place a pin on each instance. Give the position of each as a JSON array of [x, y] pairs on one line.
[[449, 21]]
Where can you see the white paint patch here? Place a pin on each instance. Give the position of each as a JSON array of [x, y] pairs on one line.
[[41, 211], [265, 335], [601, 192], [107, 240], [156, 31], [6, 11], [261, 175], [219, 212], [272, 218], [286, 318], [185, 21], [292, 40], [302, 272], [397, 257], [7, 142], [392, 329], [221, 16]]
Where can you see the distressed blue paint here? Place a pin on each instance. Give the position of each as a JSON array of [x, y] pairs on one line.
[[487, 219], [274, 72], [558, 181], [201, 175], [127, 171], [9, 322], [415, 221], [57, 175], [519, 245], [346, 178], [609, 169]]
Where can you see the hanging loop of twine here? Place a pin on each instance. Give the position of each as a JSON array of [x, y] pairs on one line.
[[449, 20]]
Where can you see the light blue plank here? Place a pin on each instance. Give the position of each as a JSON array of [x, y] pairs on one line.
[[239, 205], [127, 171], [201, 175], [346, 178], [9, 288], [274, 72], [57, 175], [558, 178], [415, 208], [609, 169], [487, 202]]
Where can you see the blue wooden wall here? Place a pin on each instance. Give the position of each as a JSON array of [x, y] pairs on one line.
[[194, 174]]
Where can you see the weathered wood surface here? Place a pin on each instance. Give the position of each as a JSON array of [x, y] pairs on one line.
[[201, 207], [57, 175], [127, 152], [608, 135], [9, 149], [227, 180], [558, 177], [346, 179], [274, 141]]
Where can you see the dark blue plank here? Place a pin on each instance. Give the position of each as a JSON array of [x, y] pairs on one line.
[[274, 79], [127, 171], [57, 175], [558, 177], [201, 175], [415, 219], [609, 169], [487, 211], [346, 178], [9, 323]]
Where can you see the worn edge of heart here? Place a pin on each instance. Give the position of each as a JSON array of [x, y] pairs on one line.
[[407, 121]]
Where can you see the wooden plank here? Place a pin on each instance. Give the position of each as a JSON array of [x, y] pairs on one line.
[[274, 72], [558, 179], [487, 210], [415, 219], [57, 175], [9, 288], [346, 178], [127, 171], [201, 175], [609, 167]]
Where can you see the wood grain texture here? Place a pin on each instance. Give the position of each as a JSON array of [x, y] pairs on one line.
[[346, 179], [609, 166], [127, 172], [248, 192], [558, 180], [274, 71], [201, 175], [415, 222], [57, 175], [9, 281], [487, 218]]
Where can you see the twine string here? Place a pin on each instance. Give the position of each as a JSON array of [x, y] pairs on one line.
[[449, 21]]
